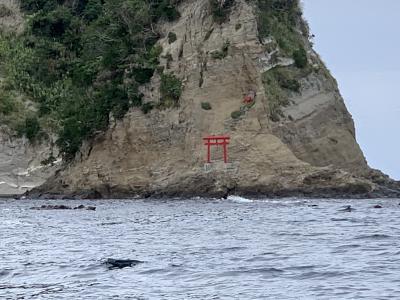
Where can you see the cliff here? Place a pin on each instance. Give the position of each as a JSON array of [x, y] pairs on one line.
[[23, 164], [310, 150], [295, 138]]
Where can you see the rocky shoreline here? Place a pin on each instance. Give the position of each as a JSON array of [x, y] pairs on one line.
[[322, 183], [351, 191]]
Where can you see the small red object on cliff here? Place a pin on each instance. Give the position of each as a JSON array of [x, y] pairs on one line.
[[249, 98], [216, 140]]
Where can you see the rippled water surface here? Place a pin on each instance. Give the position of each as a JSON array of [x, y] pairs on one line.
[[201, 249]]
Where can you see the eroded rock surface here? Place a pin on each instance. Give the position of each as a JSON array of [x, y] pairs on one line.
[[23, 165], [11, 19]]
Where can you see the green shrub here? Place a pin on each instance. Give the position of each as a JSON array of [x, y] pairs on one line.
[[82, 61], [286, 79], [221, 54], [29, 128], [147, 107], [53, 24], [221, 13], [277, 19], [70, 137], [32, 6], [7, 106], [170, 90], [93, 10], [206, 106], [300, 58], [290, 84], [236, 114], [172, 37], [218, 55], [142, 75], [280, 19], [276, 96], [247, 106], [165, 9], [153, 55]]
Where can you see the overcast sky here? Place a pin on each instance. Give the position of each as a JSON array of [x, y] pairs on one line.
[[359, 40]]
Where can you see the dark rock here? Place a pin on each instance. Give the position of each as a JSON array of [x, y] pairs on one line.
[[348, 208], [111, 223], [52, 207], [313, 205], [62, 207], [121, 263], [80, 207], [377, 206]]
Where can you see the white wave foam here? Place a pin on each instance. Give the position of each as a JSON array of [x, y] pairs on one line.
[[239, 199]]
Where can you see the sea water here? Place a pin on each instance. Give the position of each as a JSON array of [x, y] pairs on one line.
[[201, 249]]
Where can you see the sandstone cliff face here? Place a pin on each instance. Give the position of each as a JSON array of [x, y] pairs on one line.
[[311, 150], [21, 167]]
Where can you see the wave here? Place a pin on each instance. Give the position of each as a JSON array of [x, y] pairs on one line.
[[239, 199]]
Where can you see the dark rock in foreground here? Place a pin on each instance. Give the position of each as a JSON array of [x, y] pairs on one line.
[[121, 263], [62, 207], [52, 207]]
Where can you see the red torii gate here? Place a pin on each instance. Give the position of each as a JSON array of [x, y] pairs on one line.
[[216, 140]]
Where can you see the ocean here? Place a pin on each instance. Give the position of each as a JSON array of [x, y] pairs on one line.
[[201, 249]]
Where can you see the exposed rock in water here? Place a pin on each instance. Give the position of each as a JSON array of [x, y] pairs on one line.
[[63, 207], [302, 145], [121, 263], [51, 207]]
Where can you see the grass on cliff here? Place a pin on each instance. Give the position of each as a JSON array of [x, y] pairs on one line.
[[279, 19], [171, 90], [279, 83], [221, 54], [221, 12], [82, 61]]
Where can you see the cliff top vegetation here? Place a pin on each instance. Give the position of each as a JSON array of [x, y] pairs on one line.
[[80, 62]]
